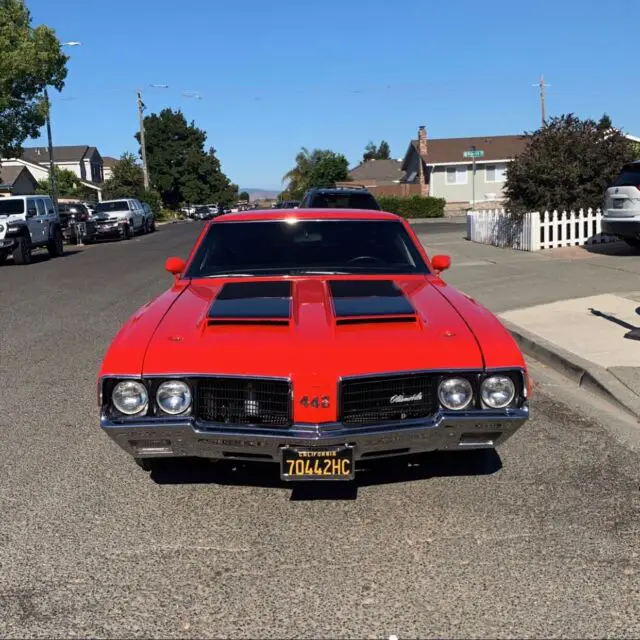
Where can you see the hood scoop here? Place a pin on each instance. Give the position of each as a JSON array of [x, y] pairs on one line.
[[370, 302], [252, 303]]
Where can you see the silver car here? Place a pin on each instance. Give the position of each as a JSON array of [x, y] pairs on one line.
[[621, 216]]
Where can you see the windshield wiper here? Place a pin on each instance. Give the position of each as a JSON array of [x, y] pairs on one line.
[[230, 275], [317, 272]]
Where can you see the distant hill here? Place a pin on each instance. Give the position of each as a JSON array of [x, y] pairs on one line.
[[260, 194]]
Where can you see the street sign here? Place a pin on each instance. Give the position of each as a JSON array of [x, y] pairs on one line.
[[477, 153]]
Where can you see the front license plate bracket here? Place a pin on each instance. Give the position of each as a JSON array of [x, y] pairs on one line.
[[317, 463]]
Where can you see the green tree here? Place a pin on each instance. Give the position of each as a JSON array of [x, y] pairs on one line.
[[329, 169], [127, 181], [30, 59], [567, 164], [317, 168], [244, 195], [382, 152], [180, 168], [69, 186]]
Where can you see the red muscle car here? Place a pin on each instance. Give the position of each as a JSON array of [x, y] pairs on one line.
[[315, 339]]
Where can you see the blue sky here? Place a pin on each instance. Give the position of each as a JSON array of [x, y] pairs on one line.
[[277, 75]]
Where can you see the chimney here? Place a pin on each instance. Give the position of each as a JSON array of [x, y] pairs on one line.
[[422, 151], [422, 142]]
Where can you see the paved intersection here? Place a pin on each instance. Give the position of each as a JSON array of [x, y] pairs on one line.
[[541, 541]]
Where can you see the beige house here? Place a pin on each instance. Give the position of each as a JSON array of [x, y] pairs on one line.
[[107, 166], [441, 169]]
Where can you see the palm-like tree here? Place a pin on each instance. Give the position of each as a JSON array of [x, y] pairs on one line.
[[298, 177]]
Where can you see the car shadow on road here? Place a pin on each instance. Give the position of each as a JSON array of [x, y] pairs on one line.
[[404, 469], [621, 249], [37, 258]]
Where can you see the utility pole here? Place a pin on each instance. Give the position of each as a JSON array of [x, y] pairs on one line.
[[52, 166], [145, 169], [541, 85]]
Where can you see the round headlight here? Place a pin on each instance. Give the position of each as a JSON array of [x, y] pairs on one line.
[[173, 397], [130, 397], [1, 228], [455, 393], [498, 392]]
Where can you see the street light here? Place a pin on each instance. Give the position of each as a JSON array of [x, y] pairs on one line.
[[52, 167]]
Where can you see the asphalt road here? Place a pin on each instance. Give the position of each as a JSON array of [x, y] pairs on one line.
[[541, 541]]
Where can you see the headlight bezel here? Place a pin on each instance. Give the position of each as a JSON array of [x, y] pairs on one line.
[[476, 378], [108, 383]]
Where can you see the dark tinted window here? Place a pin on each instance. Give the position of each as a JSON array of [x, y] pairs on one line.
[[11, 207], [629, 177], [281, 248], [117, 205], [343, 201]]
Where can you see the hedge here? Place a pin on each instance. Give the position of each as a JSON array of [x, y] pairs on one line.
[[413, 206]]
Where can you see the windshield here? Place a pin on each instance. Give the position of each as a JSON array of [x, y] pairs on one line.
[[344, 201], [117, 205], [629, 177], [11, 207], [306, 247]]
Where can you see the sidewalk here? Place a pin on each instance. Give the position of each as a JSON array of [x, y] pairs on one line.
[[593, 340], [569, 308]]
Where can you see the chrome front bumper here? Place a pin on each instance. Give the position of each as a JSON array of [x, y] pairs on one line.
[[159, 437]]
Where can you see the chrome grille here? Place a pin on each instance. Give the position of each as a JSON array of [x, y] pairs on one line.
[[244, 401], [379, 399]]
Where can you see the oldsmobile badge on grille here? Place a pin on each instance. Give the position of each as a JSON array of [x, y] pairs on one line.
[[400, 398]]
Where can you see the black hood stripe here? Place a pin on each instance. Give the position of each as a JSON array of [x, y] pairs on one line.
[[242, 300], [353, 298]]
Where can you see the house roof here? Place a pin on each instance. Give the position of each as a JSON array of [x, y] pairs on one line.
[[378, 170], [39, 155], [449, 150], [9, 175], [109, 161]]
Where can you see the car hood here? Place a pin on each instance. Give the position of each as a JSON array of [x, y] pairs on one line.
[[311, 327]]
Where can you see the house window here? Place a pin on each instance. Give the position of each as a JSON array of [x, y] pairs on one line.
[[456, 175], [495, 173]]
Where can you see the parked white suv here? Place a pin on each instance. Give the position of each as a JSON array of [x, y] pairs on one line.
[[120, 218], [27, 222], [621, 216]]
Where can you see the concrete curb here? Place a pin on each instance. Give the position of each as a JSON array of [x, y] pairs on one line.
[[592, 377]]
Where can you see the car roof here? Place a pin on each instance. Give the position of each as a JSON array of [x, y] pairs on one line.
[[306, 214], [339, 190]]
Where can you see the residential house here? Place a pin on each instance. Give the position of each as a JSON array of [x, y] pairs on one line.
[[17, 181], [441, 169], [83, 160], [381, 177], [107, 166]]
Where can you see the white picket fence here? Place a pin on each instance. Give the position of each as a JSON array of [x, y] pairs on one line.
[[536, 231]]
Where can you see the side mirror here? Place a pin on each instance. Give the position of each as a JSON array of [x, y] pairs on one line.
[[175, 266], [440, 263]]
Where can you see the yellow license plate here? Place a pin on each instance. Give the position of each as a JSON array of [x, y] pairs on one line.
[[334, 463]]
